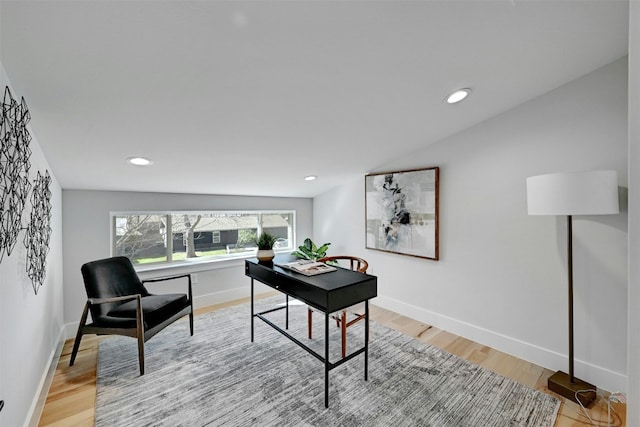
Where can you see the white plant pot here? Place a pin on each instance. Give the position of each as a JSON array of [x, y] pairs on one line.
[[265, 254]]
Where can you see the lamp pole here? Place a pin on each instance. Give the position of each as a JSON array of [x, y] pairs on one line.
[[568, 385], [570, 277]]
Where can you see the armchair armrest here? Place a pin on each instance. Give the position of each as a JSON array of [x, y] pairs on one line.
[[179, 276], [93, 301], [161, 279], [112, 299]]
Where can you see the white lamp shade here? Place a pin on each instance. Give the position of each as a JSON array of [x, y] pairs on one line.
[[573, 193]]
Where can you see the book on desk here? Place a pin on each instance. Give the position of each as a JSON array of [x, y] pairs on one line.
[[307, 267]]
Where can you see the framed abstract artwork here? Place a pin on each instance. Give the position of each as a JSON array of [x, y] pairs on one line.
[[401, 210]]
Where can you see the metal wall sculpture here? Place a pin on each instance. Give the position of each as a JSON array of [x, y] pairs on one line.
[[14, 169], [39, 231]]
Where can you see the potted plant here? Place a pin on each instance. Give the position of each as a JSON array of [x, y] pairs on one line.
[[311, 251], [265, 246]]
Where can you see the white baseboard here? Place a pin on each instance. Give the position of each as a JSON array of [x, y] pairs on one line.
[[35, 411], [220, 297], [602, 377]]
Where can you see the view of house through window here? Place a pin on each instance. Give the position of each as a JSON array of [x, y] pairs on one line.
[[177, 236]]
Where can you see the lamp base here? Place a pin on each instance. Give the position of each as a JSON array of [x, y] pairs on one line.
[[561, 384]]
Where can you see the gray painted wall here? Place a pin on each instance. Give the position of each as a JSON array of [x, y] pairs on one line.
[[633, 408], [86, 226], [30, 324], [501, 279]]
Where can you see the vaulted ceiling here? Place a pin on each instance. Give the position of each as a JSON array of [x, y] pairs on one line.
[[248, 97]]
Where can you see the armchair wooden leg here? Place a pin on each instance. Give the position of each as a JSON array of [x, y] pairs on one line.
[[190, 303], [344, 333], [310, 321], [141, 353], [76, 344], [140, 333]]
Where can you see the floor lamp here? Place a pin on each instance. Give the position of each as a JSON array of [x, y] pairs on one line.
[[573, 193]]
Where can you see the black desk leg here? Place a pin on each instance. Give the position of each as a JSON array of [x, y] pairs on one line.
[[366, 340], [252, 309], [286, 317], [326, 360]]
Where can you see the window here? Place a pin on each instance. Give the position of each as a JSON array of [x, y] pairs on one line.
[[146, 237]]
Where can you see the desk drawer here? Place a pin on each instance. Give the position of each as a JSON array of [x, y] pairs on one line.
[[328, 292]]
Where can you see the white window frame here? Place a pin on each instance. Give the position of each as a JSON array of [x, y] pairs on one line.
[[208, 259]]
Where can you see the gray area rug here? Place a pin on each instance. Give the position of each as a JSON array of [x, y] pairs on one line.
[[219, 378]]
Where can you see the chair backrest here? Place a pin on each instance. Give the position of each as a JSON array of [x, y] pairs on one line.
[[355, 263], [110, 277]]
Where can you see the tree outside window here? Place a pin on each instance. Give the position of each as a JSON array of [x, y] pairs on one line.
[[178, 236]]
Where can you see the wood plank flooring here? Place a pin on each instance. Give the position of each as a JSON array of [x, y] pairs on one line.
[[72, 395]]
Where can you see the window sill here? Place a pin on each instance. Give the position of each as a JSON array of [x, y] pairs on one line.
[[195, 266]]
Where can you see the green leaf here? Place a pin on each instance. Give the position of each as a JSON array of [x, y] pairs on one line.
[[311, 251], [323, 249], [265, 240], [308, 244]]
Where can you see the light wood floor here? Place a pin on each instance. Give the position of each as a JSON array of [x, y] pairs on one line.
[[72, 395]]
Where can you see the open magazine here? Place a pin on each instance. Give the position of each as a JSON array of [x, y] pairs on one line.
[[307, 267]]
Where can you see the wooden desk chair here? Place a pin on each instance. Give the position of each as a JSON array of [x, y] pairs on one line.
[[356, 264]]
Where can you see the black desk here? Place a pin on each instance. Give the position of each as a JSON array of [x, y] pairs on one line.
[[328, 293]]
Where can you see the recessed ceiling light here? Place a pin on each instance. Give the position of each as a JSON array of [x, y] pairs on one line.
[[310, 177], [139, 161], [457, 96]]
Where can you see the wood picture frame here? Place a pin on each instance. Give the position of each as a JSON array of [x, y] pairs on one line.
[[401, 211]]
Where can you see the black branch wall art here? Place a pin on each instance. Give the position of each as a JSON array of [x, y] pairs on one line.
[[38, 233], [14, 169]]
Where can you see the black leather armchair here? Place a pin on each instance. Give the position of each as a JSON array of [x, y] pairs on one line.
[[121, 305]]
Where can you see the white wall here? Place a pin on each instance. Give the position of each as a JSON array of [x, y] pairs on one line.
[[501, 279], [633, 408], [30, 324], [87, 237]]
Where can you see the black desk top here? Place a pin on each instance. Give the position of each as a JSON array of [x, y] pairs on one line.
[[328, 292]]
